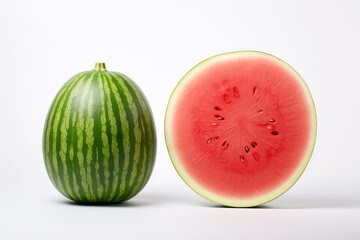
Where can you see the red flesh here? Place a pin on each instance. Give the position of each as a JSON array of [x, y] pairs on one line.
[[242, 126]]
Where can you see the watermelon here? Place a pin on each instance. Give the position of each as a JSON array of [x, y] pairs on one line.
[[99, 141], [240, 128]]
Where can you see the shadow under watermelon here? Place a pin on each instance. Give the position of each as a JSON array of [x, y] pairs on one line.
[[304, 203]]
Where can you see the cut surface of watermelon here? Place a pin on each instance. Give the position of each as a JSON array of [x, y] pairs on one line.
[[240, 128]]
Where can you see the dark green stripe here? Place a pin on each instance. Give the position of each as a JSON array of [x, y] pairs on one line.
[[75, 164], [50, 122], [72, 139], [87, 193], [85, 146], [54, 137], [148, 130], [79, 95], [141, 156], [109, 136], [148, 143], [94, 146], [76, 104], [108, 133], [130, 121], [98, 141], [68, 168], [119, 135], [69, 142]]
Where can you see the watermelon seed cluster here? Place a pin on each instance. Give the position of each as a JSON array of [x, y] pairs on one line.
[[275, 133], [227, 98]]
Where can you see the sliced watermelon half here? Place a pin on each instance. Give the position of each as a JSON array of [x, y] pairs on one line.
[[240, 128]]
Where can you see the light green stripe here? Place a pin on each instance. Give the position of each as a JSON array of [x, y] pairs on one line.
[[63, 150], [71, 156], [64, 144], [143, 167], [100, 188], [89, 136], [80, 126], [56, 123], [104, 137], [125, 142], [137, 130], [137, 133], [150, 132], [76, 186], [73, 119], [48, 126], [114, 143]]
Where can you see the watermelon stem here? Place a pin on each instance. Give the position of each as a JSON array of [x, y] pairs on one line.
[[99, 66]]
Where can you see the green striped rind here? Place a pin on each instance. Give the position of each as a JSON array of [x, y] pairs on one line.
[[99, 140]]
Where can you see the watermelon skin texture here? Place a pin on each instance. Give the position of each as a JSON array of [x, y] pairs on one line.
[[99, 140]]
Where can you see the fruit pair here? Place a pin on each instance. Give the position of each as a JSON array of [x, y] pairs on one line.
[[240, 128]]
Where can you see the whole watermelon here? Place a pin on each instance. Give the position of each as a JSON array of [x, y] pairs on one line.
[[99, 141]]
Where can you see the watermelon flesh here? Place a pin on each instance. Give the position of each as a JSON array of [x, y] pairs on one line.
[[240, 128]]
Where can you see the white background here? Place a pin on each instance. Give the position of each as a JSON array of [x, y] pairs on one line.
[[44, 43]]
